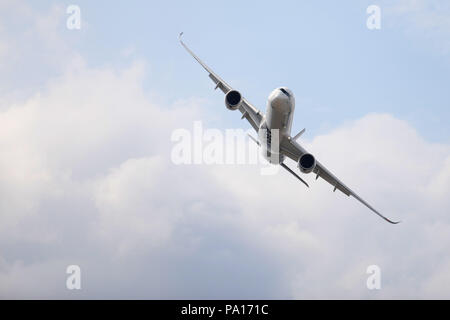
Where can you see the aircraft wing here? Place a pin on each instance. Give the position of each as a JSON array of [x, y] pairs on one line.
[[293, 150], [251, 113]]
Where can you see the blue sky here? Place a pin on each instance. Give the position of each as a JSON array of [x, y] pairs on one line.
[[338, 69]]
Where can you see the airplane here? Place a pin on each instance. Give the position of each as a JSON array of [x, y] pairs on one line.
[[279, 116]]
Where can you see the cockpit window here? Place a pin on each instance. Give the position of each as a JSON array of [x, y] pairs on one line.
[[285, 92]]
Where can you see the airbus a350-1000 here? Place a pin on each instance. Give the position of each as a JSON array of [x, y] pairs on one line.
[[278, 117]]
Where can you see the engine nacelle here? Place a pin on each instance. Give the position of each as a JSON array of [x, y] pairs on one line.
[[307, 163], [233, 99]]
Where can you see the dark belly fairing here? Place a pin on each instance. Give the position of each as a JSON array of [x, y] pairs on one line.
[[277, 123]]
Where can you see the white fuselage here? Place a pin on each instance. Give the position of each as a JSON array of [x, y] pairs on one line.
[[277, 122]]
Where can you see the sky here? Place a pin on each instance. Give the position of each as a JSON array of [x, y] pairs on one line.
[[86, 177]]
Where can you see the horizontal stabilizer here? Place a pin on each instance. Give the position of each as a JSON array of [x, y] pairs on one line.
[[299, 134], [251, 137], [293, 173]]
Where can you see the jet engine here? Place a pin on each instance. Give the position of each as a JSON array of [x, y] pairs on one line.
[[233, 99], [306, 163]]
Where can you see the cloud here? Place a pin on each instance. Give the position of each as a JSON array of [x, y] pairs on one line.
[[86, 179], [35, 45], [429, 20]]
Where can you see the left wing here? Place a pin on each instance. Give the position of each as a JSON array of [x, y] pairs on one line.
[[293, 150], [251, 113]]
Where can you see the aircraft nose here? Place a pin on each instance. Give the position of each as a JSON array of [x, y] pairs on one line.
[[279, 100], [278, 94]]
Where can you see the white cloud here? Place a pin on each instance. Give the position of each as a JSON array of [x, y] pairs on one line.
[[85, 175], [34, 46], [430, 20]]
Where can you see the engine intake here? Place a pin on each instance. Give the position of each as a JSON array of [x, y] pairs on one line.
[[306, 163], [233, 99]]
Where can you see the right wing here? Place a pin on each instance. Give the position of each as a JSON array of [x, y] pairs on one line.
[[249, 112], [293, 150]]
